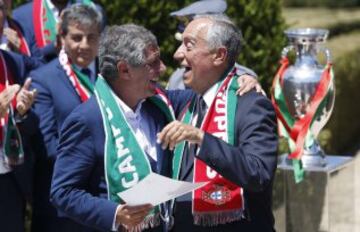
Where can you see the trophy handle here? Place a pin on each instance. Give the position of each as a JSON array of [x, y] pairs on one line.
[[286, 50], [326, 53]]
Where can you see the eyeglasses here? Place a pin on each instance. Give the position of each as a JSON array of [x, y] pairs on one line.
[[153, 64]]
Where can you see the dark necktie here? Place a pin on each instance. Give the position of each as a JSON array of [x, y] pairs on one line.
[[190, 149], [87, 72], [200, 111]]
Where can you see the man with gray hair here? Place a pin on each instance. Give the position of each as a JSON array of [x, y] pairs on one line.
[[62, 85], [109, 143], [227, 140]]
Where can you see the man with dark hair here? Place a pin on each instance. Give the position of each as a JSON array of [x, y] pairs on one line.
[[62, 84], [39, 18], [222, 138]]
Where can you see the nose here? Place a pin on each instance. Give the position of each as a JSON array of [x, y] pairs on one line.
[[84, 43], [179, 54]]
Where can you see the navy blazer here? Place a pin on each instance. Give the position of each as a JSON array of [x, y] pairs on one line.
[[55, 100], [250, 163], [24, 16], [78, 187]]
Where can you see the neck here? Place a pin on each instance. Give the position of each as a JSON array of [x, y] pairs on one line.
[[125, 94], [217, 74]]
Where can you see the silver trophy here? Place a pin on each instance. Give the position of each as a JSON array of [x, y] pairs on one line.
[[300, 82]]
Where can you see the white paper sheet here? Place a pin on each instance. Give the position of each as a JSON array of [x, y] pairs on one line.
[[155, 189]]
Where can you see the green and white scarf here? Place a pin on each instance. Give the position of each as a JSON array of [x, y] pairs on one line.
[[126, 163]]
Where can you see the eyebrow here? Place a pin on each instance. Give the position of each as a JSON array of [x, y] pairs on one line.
[[154, 56]]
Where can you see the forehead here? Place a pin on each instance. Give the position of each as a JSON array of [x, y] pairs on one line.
[[197, 28], [77, 28]]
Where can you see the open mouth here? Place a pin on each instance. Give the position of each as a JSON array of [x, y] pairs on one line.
[[187, 70]]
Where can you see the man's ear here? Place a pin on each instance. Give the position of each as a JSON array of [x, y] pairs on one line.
[[123, 69], [220, 56]]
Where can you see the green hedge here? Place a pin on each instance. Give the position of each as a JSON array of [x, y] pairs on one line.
[[321, 3]]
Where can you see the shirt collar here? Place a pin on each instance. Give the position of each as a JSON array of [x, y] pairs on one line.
[[128, 112], [209, 95]]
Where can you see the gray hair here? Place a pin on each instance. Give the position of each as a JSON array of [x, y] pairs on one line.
[[126, 42], [85, 15], [223, 33]]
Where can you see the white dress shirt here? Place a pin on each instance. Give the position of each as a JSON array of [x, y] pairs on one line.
[[143, 127]]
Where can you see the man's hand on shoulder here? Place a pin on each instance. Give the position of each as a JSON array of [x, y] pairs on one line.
[[247, 83]]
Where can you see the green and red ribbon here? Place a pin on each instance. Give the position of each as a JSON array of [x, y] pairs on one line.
[[297, 131]]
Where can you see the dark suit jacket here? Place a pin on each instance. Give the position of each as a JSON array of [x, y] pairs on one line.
[[24, 16], [79, 187], [250, 163], [20, 177], [55, 100]]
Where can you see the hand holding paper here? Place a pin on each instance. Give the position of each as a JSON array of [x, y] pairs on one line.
[[155, 189]]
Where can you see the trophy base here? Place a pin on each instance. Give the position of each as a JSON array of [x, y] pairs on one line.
[[309, 161], [313, 156], [323, 201]]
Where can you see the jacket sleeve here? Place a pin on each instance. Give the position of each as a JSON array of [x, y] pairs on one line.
[[44, 110], [251, 162], [179, 99], [74, 166]]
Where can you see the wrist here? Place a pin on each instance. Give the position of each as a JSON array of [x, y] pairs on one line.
[[200, 137]]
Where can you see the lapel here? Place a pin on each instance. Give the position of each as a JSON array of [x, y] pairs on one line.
[[65, 79], [186, 168], [163, 156]]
